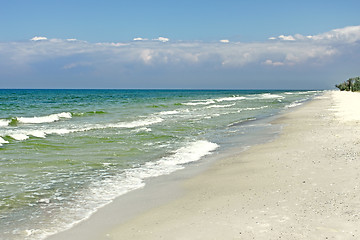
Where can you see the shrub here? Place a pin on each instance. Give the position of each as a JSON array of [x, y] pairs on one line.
[[352, 84]]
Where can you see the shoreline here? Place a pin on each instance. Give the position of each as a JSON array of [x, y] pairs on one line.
[[306, 189]]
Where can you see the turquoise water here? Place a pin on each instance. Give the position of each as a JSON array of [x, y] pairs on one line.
[[65, 153]]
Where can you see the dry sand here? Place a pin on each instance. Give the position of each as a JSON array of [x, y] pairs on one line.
[[305, 184]]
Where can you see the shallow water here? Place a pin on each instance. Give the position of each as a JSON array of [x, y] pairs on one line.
[[65, 153]]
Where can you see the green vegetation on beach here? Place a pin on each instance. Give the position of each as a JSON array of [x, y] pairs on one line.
[[352, 84]]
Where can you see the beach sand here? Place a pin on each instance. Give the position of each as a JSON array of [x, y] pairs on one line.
[[305, 184]]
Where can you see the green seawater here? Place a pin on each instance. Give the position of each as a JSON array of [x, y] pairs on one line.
[[65, 153]]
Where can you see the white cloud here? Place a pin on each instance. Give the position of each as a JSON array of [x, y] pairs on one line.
[[112, 44], [146, 55], [140, 39], [298, 49], [283, 37], [270, 62], [75, 65], [36, 38], [224, 41], [286, 38], [349, 34], [162, 39]]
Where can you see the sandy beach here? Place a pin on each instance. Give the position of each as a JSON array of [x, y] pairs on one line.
[[305, 184]]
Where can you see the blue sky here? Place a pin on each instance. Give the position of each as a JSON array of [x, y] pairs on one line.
[[178, 44]]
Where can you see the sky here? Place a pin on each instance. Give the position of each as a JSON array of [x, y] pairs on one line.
[[184, 44]]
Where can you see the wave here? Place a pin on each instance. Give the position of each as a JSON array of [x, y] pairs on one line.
[[22, 134], [212, 101], [221, 106], [237, 123], [19, 136], [90, 113], [143, 129], [266, 96], [44, 119], [234, 98], [138, 123], [192, 152], [104, 192], [2, 141], [299, 93], [168, 112], [199, 102], [295, 104], [252, 108], [4, 122], [270, 96], [308, 92]]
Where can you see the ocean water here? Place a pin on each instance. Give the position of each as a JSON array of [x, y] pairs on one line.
[[66, 153]]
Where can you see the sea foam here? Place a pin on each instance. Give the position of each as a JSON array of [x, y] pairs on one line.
[[212, 101], [137, 123], [22, 134], [2, 141], [105, 191], [168, 112], [19, 136], [270, 96], [192, 152], [266, 96], [234, 98], [199, 102], [294, 104], [221, 106], [44, 119], [4, 122]]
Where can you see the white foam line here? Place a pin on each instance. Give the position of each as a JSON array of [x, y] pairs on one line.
[[220, 106], [294, 104], [143, 129], [250, 109], [4, 122], [19, 136], [168, 112], [190, 153], [211, 101], [103, 192], [266, 96], [234, 98], [2, 141], [138, 123], [200, 102], [37, 133], [44, 119]]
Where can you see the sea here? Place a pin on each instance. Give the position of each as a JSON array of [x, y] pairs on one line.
[[66, 153]]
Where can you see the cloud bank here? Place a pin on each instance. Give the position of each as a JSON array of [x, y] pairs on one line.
[[276, 52]]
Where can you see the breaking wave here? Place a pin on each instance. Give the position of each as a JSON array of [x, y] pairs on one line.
[[44, 119]]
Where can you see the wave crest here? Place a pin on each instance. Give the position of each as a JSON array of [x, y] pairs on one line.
[[138, 123], [4, 122], [44, 119]]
